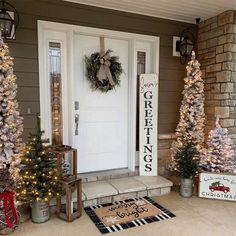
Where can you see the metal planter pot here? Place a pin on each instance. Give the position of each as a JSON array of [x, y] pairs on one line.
[[186, 187], [40, 212]]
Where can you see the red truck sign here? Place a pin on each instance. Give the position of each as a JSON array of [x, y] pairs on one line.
[[218, 186]]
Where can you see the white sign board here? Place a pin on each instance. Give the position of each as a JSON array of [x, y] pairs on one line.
[[217, 186], [148, 124]]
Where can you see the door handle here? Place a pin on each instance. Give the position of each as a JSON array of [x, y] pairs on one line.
[[76, 124]]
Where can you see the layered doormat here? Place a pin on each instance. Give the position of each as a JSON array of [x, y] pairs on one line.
[[116, 216]]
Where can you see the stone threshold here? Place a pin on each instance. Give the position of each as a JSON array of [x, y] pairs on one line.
[[118, 189]]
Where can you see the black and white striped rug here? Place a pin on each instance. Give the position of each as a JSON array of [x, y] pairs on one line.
[[120, 215]]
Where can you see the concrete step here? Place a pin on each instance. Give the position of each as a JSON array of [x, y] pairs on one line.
[[104, 191], [108, 174]]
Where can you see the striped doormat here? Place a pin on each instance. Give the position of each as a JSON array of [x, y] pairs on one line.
[[116, 216]]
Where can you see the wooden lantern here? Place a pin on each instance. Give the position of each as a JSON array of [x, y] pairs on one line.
[[68, 212], [60, 152]]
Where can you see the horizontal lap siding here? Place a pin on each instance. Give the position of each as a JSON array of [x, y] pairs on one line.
[[171, 86], [25, 51]]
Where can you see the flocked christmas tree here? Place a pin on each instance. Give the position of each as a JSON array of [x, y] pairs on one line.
[[190, 129], [219, 156], [11, 129], [39, 172]]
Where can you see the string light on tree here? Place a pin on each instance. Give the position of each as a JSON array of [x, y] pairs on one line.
[[11, 129], [40, 165], [190, 128], [11, 126]]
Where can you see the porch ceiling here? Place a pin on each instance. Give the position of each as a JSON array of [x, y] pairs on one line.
[[180, 10]]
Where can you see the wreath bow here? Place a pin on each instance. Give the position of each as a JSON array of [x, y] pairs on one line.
[[104, 70]]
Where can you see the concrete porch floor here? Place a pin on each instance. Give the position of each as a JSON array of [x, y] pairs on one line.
[[194, 217]]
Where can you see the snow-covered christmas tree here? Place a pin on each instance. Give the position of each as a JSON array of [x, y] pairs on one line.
[[11, 126], [190, 128], [219, 156]]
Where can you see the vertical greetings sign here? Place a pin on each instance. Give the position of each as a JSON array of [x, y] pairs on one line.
[[148, 124]]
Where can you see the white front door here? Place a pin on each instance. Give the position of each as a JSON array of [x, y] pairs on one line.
[[107, 122], [103, 117]]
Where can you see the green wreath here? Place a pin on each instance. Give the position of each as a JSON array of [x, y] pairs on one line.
[[93, 65]]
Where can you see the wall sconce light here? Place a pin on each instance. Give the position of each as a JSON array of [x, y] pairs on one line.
[[187, 43], [9, 20]]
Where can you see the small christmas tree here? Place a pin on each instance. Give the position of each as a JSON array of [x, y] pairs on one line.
[[190, 129], [219, 156], [185, 165], [39, 172]]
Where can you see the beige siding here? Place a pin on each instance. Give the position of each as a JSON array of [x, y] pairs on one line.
[[25, 51]]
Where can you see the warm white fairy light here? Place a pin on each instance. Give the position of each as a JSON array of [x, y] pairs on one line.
[[192, 117], [11, 126]]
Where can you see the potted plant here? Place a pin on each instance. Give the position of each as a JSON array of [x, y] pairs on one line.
[[186, 168], [39, 180]]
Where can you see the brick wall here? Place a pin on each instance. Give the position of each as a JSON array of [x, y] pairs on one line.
[[217, 55]]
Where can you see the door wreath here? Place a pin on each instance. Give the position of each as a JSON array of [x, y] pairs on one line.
[[102, 70]]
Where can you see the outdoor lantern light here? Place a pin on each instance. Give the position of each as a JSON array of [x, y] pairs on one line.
[[9, 20], [186, 45]]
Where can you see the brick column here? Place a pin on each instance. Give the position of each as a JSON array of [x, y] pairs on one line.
[[217, 55]]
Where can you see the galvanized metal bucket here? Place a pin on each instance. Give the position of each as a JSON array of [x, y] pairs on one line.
[[186, 187], [40, 212]]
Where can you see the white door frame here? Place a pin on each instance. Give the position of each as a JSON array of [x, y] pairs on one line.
[[63, 33]]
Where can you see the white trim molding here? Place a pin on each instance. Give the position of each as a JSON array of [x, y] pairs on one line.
[[45, 36]]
